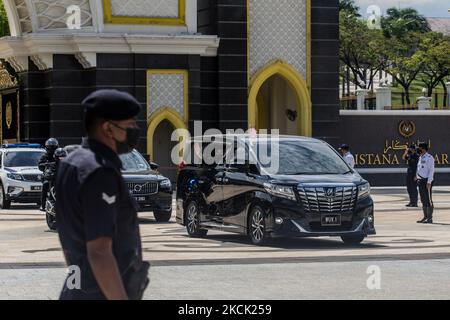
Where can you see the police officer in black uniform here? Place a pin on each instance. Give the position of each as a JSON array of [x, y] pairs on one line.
[[49, 157], [412, 159], [97, 217]]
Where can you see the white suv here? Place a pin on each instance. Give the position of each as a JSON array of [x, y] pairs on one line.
[[20, 177]]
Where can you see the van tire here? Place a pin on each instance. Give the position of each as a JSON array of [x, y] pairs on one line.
[[192, 218]]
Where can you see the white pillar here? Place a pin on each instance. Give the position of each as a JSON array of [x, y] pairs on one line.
[[384, 97], [448, 93], [424, 103], [361, 98]]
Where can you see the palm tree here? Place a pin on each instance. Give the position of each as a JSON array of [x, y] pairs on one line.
[[398, 22]]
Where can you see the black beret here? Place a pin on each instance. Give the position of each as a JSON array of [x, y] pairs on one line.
[[112, 105], [424, 145]]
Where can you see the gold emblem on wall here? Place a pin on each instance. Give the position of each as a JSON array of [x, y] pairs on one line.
[[407, 129], [8, 115]]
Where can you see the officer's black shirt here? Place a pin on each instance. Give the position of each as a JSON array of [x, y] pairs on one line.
[[46, 157], [412, 160], [93, 202]]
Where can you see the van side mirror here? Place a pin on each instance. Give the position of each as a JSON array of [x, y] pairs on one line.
[[252, 169], [154, 166], [146, 157]]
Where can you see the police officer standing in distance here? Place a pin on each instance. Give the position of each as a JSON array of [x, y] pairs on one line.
[[347, 155], [97, 217], [425, 180], [412, 159]]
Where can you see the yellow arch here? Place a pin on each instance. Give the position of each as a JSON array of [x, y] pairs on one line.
[[299, 85], [159, 116]]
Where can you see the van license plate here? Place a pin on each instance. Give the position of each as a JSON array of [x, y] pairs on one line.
[[141, 199], [331, 220], [36, 188]]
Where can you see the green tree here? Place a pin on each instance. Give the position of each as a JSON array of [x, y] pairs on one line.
[[434, 53], [360, 49], [404, 63], [4, 27], [349, 6], [399, 22]]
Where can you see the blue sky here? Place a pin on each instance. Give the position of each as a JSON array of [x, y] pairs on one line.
[[429, 8]]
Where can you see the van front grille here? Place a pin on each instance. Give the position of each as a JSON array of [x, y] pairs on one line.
[[328, 199]]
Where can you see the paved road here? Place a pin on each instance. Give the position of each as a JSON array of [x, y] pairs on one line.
[[412, 260]]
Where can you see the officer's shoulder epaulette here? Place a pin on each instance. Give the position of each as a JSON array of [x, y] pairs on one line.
[[88, 163]]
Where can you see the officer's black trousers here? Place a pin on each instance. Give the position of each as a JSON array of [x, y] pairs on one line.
[[426, 196], [412, 189], [73, 294], [45, 189]]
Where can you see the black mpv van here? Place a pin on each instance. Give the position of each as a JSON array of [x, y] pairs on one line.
[[311, 193]]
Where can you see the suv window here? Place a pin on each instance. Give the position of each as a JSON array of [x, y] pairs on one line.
[[22, 158], [301, 157], [134, 162]]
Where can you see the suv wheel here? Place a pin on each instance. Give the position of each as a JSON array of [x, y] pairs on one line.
[[4, 204], [257, 226], [353, 239], [193, 221], [162, 216]]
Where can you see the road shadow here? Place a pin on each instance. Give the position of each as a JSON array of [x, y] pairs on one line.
[[294, 243], [148, 220]]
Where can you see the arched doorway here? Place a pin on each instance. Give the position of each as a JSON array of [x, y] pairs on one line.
[[160, 146], [162, 142], [279, 99]]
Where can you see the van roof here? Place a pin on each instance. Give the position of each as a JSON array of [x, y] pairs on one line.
[[258, 136]]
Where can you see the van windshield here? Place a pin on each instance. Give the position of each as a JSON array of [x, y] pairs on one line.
[[301, 157]]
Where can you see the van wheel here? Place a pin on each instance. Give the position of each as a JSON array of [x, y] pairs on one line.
[[4, 204], [353, 239], [162, 216], [193, 221], [257, 226]]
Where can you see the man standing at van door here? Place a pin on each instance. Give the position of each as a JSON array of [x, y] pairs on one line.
[[347, 155], [425, 180]]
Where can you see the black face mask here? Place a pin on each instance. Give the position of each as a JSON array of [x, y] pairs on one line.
[[420, 151], [131, 141]]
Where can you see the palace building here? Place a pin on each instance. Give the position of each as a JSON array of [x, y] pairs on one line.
[[228, 63]]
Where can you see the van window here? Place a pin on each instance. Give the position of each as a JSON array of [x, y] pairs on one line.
[[301, 157]]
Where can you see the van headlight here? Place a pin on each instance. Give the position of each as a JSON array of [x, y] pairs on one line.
[[363, 191], [165, 184], [280, 191], [15, 176]]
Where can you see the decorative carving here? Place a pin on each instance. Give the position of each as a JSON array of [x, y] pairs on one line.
[[6, 81], [43, 61], [166, 90], [278, 30], [87, 59], [20, 63], [24, 16], [8, 114], [145, 8], [53, 14]]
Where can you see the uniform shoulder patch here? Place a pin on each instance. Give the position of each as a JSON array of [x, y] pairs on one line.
[[109, 199]]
